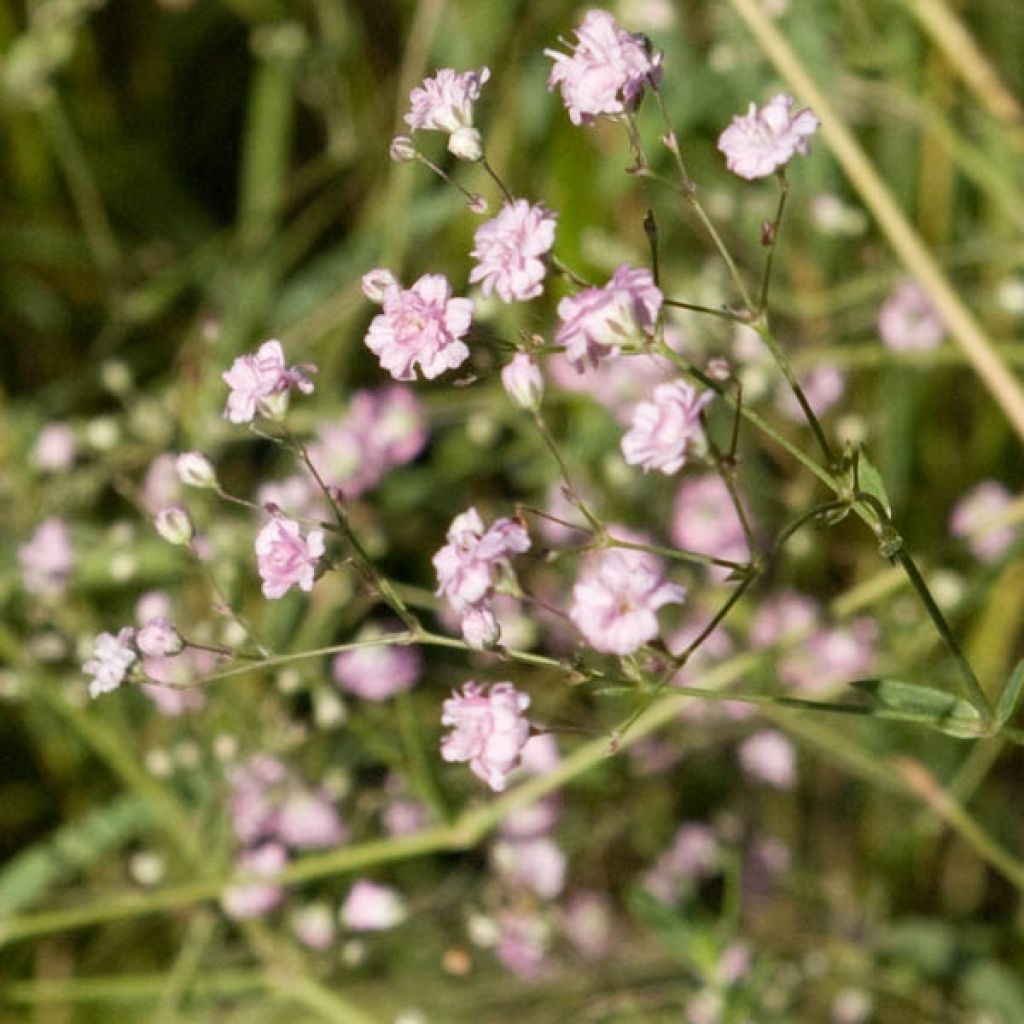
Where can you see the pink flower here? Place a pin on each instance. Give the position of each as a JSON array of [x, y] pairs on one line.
[[377, 283], [523, 942], [313, 926], [260, 383], [606, 72], [372, 908], [54, 450], [831, 657], [158, 638], [377, 673], [695, 853], [176, 696], [510, 249], [285, 558], [309, 821], [523, 381], [112, 657], [536, 863], [488, 730], [162, 485], [243, 900], [761, 141], [480, 628], [666, 431], [615, 599], [971, 514], [46, 558], [421, 325], [704, 519], [908, 322], [257, 787], [770, 758], [445, 103], [596, 322], [473, 561]]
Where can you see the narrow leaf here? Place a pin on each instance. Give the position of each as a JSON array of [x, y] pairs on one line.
[[949, 713], [871, 482], [1010, 697]]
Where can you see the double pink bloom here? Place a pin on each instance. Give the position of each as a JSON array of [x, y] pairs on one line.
[[445, 103], [760, 142], [666, 430], [260, 383], [285, 558], [510, 249]]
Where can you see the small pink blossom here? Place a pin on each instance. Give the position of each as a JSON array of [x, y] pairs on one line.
[[695, 854], [112, 658], [257, 788], [667, 430], [158, 638], [55, 448], [523, 942], [372, 908], [607, 71], [536, 863], [422, 325], [770, 758], [403, 817], [260, 383], [785, 618], [588, 923], [510, 250], [161, 485], [445, 103], [175, 525], [971, 514], [480, 628], [488, 730], [908, 322], [616, 598], [243, 900], [46, 558], [308, 821], [597, 322], [759, 142], [831, 656], [154, 604], [377, 673], [195, 470], [704, 519], [285, 558], [523, 381], [171, 690]]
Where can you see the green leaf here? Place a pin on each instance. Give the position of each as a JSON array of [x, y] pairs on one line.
[[1010, 697], [949, 713], [870, 481]]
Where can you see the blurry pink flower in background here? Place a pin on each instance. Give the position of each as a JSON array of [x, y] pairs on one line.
[[445, 103], [488, 730], [295, 496], [695, 853], [177, 672], [259, 383], [759, 142], [973, 510], [256, 788], [607, 71], [111, 660], [510, 249], [377, 673], [822, 388], [597, 322], [372, 908], [161, 486], [285, 558], [55, 448], [522, 943], [523, 381], [769, 757], [158, 638], [908, 322], [313, 926], [46, 558], [785, 617], [588, 923], [404, 816], [308, 820], [616, 596], [154, 604], [832, 656], [422, 325], [252, 899], [536, 862], [704, 519], [667, 430]]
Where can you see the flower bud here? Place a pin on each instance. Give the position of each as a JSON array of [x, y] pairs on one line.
[[465, 143], [402, 150], [523, 381], [158, 638], [377, 283], [477, 204], [195, 470], [175, 525]]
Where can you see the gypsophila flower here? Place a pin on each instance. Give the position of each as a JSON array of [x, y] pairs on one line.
[[971, 515], [55, 448], [402, 149], [46, 558], [195, 470], [111, 660], [510, 250], [908, 322], [243, 900], [445, 103], [704, 519], [597, 322], [607, 71], [372, 908], [377, 673], [617, 595], [175, 525], [667, 430], [377, 283], [422, 325], [158, 638], [488, 730], [260, 383], [285, 558], [760, 142], [523, 381], [769, 757]]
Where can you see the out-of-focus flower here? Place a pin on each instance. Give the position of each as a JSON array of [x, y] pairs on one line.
[[403, 817], [158, 638], [296, 496], [285, 558], [260, 383], [489, 730], [769, 757], [257, 788], [46, 558], [313, 926], [422, 325], [908, 322], [112, 657], [536, 863], [588, 923], [787, 617], [831, 656], [170, 690], [445, 103], [523, 381], [759, 142], [981, 504], [617, 595], [55, 447], [402, 149], [668, 429], [704, 519], [597, 322], [522, 943], [154, 604], [175, 525], [510, 249], [244, 900], [377, 673], [607, 71], [695, 853], [372, 908], [195, 470], [162, 485], [308, 820]]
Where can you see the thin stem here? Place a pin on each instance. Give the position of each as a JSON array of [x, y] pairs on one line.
[[445, 177], [496, 178], [567, 272], [716, 620], [773, 241], [571, 491], [651, 230], [694, 307], [679, 554]]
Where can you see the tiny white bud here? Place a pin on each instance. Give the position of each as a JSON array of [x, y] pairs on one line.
[[477, 204], [174, 524], [195, 470], [402, 150], [466, 144], [377, 283], [523, 381]]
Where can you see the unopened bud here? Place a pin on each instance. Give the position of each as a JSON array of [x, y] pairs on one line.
[[402, 150], [195, 470], [377, 283], [523, 381], [477, 204], [174, 524]]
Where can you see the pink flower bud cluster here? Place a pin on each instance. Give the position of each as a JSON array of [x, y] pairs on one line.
[[112, 659], [260, 382], [471, 565]]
